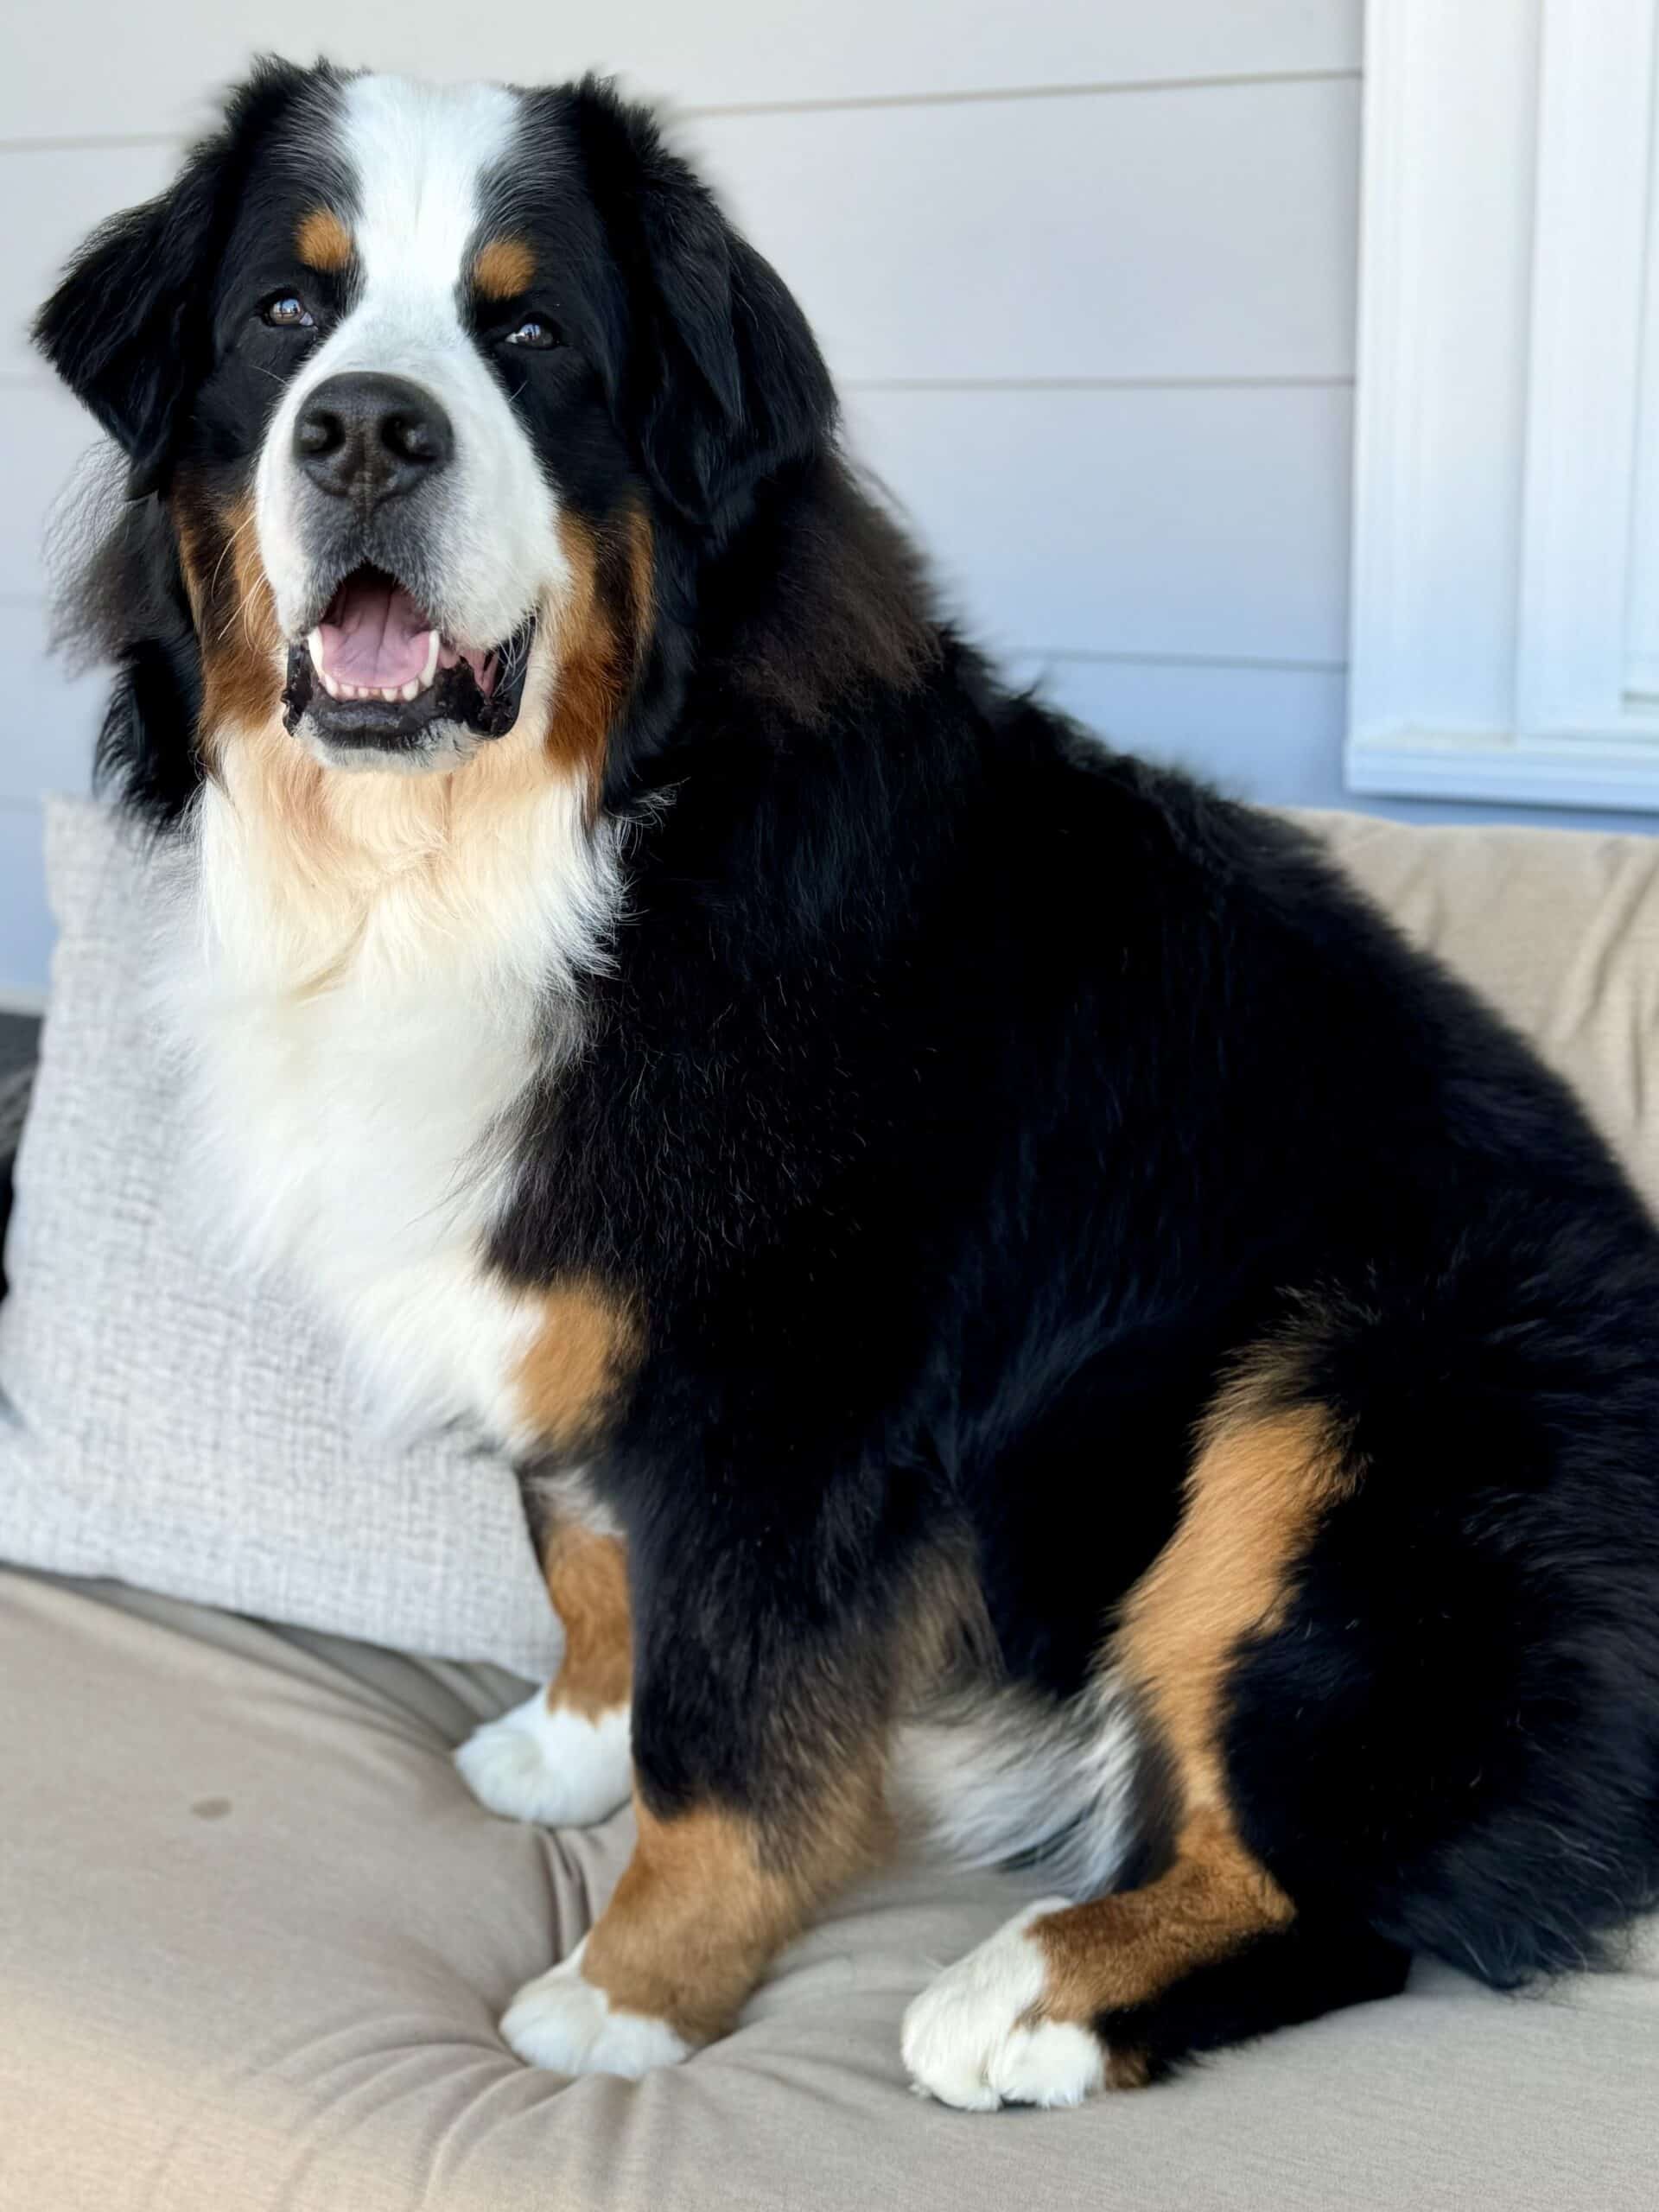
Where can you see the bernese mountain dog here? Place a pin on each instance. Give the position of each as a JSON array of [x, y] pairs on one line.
[[1032, 1322]]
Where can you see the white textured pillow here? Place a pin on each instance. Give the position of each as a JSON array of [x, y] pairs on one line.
[[173, 1424]]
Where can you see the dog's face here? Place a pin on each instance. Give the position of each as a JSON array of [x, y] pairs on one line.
[[418, 334], [442, 396]]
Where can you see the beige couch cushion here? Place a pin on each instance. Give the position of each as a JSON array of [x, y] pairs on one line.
[[254, 1938], [1558, 929]]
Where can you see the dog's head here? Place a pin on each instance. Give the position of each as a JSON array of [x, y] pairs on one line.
[[435, 402]]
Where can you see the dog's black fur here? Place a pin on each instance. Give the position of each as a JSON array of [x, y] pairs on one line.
[[961, 1100]]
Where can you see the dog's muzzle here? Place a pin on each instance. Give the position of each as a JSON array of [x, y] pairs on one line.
[[374, 671]]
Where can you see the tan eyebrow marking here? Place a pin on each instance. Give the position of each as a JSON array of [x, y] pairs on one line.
[[322, 241], [503, 267]]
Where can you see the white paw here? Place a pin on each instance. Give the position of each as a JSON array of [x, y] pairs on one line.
[[966, 2040], [561, 2022], [536, 1763]]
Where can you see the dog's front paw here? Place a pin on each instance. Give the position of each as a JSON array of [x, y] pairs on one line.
[[549, 1763], [976, 2038], [561, 2022]]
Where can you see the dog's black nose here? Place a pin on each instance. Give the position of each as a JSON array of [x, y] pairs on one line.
[[367, 437]]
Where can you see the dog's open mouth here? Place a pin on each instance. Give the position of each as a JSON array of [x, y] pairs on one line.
[[378, 674]]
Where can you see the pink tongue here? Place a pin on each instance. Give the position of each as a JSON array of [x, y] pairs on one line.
[[375, 635]]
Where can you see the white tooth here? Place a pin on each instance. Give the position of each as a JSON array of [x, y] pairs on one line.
[[328, 683], [314, 647], [411, 691], [391, 692], [431, 668]]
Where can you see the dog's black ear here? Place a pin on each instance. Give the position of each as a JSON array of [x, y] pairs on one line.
[[128, 606], [722, 384], [119, 329], [128, 328]]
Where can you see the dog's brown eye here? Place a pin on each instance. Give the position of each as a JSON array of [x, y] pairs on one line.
[[539, 336], [288, 311]]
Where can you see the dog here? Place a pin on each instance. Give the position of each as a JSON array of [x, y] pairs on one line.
[[1033, 1323]]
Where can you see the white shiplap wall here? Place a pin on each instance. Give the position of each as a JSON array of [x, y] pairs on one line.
[[1085, 269]]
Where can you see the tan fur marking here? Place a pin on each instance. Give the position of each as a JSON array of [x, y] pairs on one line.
[[503, 268], [588, 1581], [699, 1913], [1126, 1949], [234, 613], [1254, 1495], [598, 648], [587, 1343], [1256, 1490], [323, 242]]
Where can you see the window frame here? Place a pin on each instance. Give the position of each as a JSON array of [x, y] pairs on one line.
[[1507, 315]]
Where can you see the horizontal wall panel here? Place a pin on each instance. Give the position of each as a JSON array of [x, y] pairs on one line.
[[87, 66], [1206, 233], [56, 196], [49, 719], [1270, 735], [1195, 523], [26, 928]]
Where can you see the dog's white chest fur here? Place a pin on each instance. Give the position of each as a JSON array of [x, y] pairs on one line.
[[364, 1010], [355, 1123]]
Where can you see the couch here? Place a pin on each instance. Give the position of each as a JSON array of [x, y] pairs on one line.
[[255, 1935]]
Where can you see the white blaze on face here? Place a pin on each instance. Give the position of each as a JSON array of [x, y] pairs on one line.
[[420, 155]]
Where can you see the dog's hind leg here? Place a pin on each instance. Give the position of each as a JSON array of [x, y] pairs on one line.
[[1067, 1999], [1398, 1662]]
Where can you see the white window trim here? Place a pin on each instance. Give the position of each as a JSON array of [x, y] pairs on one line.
[[1504, 276]]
